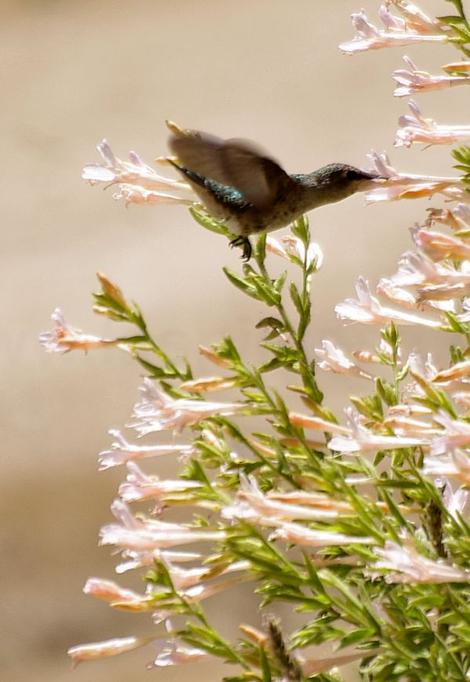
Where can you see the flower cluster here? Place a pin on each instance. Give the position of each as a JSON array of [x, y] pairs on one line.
[[358, 521]]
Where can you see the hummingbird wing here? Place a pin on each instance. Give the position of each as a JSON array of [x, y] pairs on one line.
[[236, 163]]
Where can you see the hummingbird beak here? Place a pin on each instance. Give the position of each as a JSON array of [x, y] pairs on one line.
[[370, 180]]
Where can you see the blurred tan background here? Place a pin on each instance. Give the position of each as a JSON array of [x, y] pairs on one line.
[[71, 73]]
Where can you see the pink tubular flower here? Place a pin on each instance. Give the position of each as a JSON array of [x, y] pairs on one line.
[[414, 128], [292, 249], [157, 411], [140, 486], [368, 310], [122, 451], [331, 358], [409, 566], [456, 434], [409, 185], [147, 535], [411, 80], [363, 440], [440, 246], [319, 663], [252, 503], [455, 465], [134, 194], [300, 535], [414, 27], [110, 647], [458, 217], [109, 591], [139, 183], [173, 652], [64, 338]]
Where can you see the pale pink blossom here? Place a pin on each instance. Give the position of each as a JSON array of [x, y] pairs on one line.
[[157, 411], [439, 246], [455, 501], [201, 591], [408, 410], [407, 426], [462, 398], [368, 310], [142, 534], [409, 566], [122, 451], [441, 292], [331, 358], [134, 194], [291, 248], [457, 371], [396, 31], [110, 647], [319, 663], [208, 384], [173, 652], [316, 423], [300, 535], [455, 465], [251, 503], [143, 558], [415, 18], [362, 439], [140, 486], [113, 169], [183, 578], [414, 128], [455, 434], [109, 591], [399, 185], [64, 338], [415, 268], [458, 217], [387, 288], [412, 80]]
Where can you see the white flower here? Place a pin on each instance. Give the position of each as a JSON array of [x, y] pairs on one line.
[[458, 217], [455, 465], [456, 434], [252, 504], [175, 653], [157, 411], [439, 246], [415, 128], [363, 440], [141, 534], [412, 80], [368, 310], [140, 486], [414, 28], [332, 359], [64, 338], [291, 248], [409, 185], [122, 451], [110, 647], [409, 566], [297, 534], [133, 172]]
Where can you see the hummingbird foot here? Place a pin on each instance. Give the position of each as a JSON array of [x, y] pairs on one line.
[[245, 243]]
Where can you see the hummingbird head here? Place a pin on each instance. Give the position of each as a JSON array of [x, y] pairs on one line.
[[343, 180]]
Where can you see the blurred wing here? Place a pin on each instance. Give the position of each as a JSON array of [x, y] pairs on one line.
[[237, 163]]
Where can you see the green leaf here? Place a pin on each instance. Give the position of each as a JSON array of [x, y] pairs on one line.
[[204, 219]]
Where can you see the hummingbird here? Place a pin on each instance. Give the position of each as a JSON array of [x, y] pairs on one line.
[[244, 187]]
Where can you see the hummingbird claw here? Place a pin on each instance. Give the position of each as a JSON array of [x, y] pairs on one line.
[[245, 243]]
